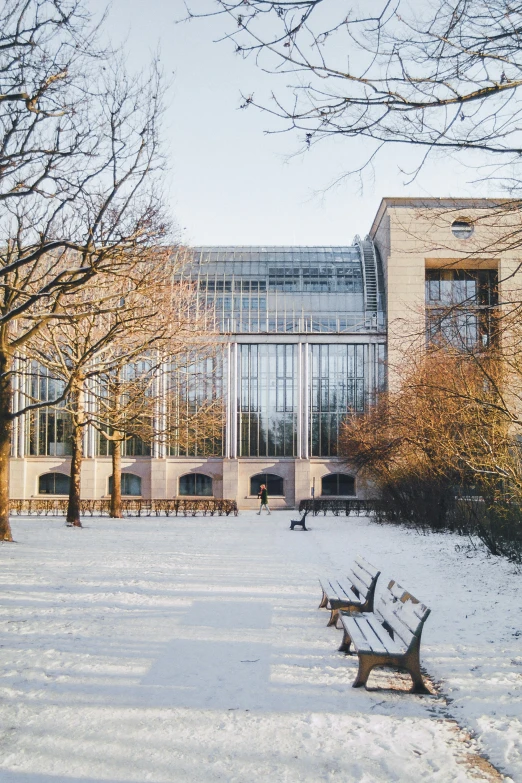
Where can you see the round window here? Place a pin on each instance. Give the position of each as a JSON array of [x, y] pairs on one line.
[[462, 229]]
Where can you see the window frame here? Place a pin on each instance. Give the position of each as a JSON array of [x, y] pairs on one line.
[[263, 478], [123, 480], [337, 494], [48, 475], [195, 494]]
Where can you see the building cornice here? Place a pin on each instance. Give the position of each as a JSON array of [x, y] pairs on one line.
[[445, 202]]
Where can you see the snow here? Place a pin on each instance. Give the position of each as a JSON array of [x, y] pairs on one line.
[[191, 650]]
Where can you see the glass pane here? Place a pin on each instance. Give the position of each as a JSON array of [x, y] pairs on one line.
[[130, 484], [267, 421], [338, 484], [187, 484], [203, 484], [274, 484], [195, 484], [337, 388], [54, 484]]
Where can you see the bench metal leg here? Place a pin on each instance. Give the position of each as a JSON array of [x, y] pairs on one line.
[[409, 663], [366, 664], [334, 615], [324, 601], [346, 643], [412, 666]]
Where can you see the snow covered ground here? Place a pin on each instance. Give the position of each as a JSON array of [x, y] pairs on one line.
[[192, 650]]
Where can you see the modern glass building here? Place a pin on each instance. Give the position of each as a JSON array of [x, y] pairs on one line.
[[304, 331], [301, 345], [305, 336]]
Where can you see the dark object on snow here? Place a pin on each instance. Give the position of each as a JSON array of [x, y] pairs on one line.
[[301, 522]]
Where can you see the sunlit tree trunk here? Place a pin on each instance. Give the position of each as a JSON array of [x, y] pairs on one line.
[[115, 510], [77, 405]]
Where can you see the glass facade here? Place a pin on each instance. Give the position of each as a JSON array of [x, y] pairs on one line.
[[130, 447], [195, 406], [267, 416], [285, 289], [300, 344], [337, 388], [49, 431]]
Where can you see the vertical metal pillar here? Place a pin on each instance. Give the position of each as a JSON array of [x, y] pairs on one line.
[[299, 384], [234, 382], [228, 408], [306, 401], [15, 403]]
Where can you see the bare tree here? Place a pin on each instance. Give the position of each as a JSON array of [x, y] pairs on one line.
[[108, 347], [145, 401], [136, 399], [195, 403], [442, 429], [79, 168], [443, 76]]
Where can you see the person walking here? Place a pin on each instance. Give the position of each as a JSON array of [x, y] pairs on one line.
[[262, 496]]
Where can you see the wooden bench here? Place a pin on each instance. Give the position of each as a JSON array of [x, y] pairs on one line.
[[388, 637], [355, 591]]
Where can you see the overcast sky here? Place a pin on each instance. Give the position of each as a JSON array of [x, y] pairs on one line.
[[232, 183]]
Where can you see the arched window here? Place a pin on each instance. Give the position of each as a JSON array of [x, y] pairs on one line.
[[130, 484], [274, 484], [338, 484], [54, 484], [195, 484]]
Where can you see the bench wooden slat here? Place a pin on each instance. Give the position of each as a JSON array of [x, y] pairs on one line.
[[365, 570], [368, 635], [339, 588], [402, 611], [358, 583]]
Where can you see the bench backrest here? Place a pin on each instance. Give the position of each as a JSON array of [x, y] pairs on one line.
[[402, 613], [363, 577]]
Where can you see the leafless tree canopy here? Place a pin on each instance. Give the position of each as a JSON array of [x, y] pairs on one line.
[[80, 169], [443, 75]]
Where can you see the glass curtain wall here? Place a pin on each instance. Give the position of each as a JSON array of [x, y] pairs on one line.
[[49, 430], [130, 447], [280, 289], [337, 385], [267, 393], [195, 407], [125, 400]]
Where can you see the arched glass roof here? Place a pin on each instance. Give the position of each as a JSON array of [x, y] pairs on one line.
[[284, 289]]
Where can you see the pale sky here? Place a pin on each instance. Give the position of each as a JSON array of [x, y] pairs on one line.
[[229, 182]]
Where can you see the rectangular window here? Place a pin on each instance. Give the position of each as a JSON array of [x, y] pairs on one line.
[[460, 306], [337, 381], [194, 406], [49, 430], [267, 416]]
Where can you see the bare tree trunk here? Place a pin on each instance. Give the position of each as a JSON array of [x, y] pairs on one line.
[[115, 510], [73, 509], [5, 444]]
